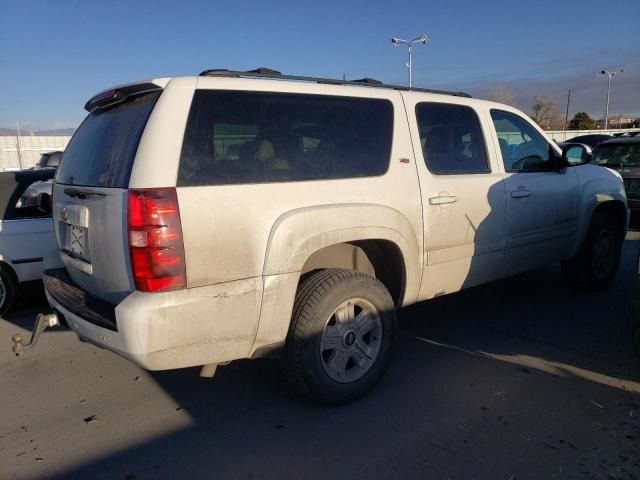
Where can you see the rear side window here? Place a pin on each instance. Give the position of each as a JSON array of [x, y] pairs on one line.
[[252, 137], [102, 151], [451, 139]]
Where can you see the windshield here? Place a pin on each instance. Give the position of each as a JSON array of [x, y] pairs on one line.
[[102, 151], [623, 155]]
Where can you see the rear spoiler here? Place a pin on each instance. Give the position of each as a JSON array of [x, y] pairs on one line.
[[117, 95]]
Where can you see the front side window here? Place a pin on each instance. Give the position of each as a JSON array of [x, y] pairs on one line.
[[523, 148], [235, 137]]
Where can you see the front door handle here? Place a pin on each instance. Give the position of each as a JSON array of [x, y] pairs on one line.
[[443, 198], [521, 192]]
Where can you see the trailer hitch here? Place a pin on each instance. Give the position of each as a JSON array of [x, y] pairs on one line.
[[42, 322]]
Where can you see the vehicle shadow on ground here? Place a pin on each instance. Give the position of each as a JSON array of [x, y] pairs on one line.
[[449, 405], [29, 302]]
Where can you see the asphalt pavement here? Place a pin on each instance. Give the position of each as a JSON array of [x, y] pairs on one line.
[[523, 378]]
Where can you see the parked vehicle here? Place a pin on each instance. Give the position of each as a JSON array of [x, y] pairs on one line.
[[26, 229], [50, 160], [634, 133], [233, 215], [622, 154], [591, 140]]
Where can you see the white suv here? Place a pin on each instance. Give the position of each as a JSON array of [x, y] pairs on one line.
[[237, 215]]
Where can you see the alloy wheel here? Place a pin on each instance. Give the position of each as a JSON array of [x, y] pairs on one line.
[[351, 340]]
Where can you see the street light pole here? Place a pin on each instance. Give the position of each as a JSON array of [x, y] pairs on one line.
[[396, 43], [566, 115], [609, 75], [409, 66]]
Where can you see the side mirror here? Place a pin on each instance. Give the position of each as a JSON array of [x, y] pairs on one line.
[[43, 202], [574, 154]]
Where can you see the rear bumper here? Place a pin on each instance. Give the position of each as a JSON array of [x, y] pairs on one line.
[[184, 328]]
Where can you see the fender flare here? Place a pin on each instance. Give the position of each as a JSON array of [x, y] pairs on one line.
[[593, 203], [292, 241], [598, 186], [4, 261], [299, 233]]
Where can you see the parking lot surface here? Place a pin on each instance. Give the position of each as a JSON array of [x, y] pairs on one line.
[[523, 378]]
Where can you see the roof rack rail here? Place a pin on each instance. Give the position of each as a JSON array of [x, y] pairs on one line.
[[263, 72]]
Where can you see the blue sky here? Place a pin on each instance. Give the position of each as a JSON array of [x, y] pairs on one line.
[[55, 54]]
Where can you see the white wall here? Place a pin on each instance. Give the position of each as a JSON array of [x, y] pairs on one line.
[[30, 147], [562, 135]]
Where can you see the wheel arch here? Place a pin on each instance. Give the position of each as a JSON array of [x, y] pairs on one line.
[[8, 268], [300, 238], [375, 229], [381, 259], [617, 210]]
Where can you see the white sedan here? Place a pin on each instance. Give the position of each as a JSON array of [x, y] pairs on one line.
[[26, 229]]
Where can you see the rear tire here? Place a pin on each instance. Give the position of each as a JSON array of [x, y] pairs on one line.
[[339, 341], [596, 264], [8, 289]]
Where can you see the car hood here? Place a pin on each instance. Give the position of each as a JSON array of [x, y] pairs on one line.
[[627, 172]]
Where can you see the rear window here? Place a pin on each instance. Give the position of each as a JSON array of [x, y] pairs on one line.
[[253, 137], [102, 151]]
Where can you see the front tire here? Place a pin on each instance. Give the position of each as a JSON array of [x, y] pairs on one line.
[[339, 341], [8, 289], [596, 264]]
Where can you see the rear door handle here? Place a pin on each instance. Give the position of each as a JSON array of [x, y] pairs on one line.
[[443, 198], [521, 192]]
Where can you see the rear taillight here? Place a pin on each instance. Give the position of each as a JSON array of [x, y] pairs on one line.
[[155, 240]]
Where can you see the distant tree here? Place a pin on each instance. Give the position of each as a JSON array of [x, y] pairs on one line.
[[545, 112], [502, 94], [581, 121]]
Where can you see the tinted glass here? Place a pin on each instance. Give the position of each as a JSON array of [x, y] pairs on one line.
[[451, 139], [622, 155], [44, 159], [252, 137], [523, 147], [102, 151], [54, 160]]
